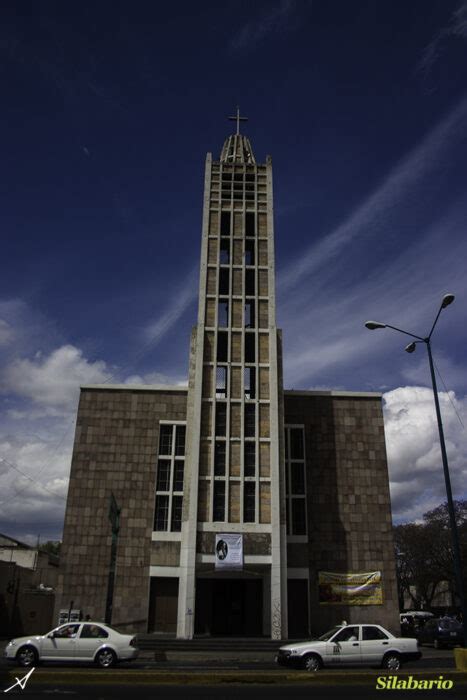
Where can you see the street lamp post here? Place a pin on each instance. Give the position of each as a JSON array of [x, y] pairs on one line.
[[374, 325]]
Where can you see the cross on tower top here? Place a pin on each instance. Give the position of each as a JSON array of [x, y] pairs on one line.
[[238, 119]]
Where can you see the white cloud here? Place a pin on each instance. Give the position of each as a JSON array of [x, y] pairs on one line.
[[53, 380], [6, 332], [414, 455]]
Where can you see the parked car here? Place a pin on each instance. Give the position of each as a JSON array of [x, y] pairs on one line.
[[412, 621], [75, 641], [350, 645], [441, 631]]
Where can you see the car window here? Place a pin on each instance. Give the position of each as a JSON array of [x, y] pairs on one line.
[[369, 632], [347, 634], [93, 632], [66, 631], [448, 624]]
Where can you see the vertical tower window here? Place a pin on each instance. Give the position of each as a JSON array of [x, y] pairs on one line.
[[249, 282], [223, 313], [222, 342], [221, 382], [249, 223], [224, 253], [250, 313], [250, 420], [249, 458], [221, 419], [224, 278], [219, 457], [218, 513], [225, 223], [249, 347], [249, 502], [162, 513], [163, 475], [249, 252], [177, 504], [249, 379], [179, 469]]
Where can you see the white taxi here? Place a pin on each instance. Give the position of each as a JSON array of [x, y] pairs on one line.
[[349, 645], [74, 641]]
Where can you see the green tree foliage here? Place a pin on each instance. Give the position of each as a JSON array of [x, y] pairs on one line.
[[424, 554], [51, 546]]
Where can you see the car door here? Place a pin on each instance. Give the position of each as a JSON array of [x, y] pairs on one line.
[[60, 643], [374, 644], [91, 638], [344, 647]]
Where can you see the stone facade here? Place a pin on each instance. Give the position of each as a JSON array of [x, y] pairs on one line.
[[116, 444]]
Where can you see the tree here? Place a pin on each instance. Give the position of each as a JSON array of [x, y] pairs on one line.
[[51, 546], [424, 554]]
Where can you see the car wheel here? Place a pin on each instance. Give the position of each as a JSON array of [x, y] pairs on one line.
[[312, 663], [27, 656], [392, 661], [106, 658]]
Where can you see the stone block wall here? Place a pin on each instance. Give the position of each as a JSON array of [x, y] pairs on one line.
[[348, 501], [115, 450]]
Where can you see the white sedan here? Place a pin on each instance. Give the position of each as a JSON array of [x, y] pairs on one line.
[[74, 641], [351, 645]]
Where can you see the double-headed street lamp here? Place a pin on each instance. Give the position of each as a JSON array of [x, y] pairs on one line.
[[373, 325]]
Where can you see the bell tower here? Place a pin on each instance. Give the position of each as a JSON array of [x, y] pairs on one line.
[[235, 397]]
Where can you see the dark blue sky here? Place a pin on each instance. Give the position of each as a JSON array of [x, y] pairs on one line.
[[108, 110]]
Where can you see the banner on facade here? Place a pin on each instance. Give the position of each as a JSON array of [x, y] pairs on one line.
[[229, 551], [350, 589]]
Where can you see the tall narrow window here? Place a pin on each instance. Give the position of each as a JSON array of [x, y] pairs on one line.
[[250, 382], [169, 478], [295, 480], [165, 440], [180, 433], [250, 313], [249, 458], [250, 347], [249, 502], [161, 517], [249, 223], [221, 419], [249, 282], [219, 458], [218, 513], [223, 313], [224, 252], [249, 252], [221, 382], [225, 223], [224, 277], [250, 420], [222, 341]]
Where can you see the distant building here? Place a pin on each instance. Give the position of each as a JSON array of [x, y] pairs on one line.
[[245, 509], [28, 577]]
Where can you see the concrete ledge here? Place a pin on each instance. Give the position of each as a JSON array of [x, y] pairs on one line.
[[460, 656]]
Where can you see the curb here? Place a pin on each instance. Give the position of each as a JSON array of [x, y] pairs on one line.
[[144, 677]]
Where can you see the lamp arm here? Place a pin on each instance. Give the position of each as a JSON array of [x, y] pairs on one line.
[[405, 332]]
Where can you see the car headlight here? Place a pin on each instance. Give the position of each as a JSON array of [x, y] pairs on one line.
[[11, 644]]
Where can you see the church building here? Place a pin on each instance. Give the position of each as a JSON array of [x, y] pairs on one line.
[[233, 507]]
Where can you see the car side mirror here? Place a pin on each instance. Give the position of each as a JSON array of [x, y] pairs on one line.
[[51, 635]]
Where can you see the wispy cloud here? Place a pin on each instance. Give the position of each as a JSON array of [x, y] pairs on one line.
[[371, 214], [456, 28], [183, 298], [279, 17]]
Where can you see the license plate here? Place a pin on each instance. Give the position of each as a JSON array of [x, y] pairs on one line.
[[452, 634]]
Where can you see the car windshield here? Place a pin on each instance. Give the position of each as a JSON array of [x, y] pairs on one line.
[[449, 624], [327, 635]]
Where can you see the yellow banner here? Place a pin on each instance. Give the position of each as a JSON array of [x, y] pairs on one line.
[[350, 589]]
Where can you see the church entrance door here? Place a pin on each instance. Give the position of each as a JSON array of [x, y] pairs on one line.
[[229, 607]]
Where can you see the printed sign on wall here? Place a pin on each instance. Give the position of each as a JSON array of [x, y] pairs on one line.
[[229, 551], [350, 589]]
